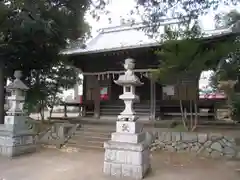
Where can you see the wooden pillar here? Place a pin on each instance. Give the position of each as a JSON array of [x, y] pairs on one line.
[[84, 89], [76, 96], [97, 102], [80, 110], [96, 96], [152, 99], [84, 95], [65, 110]]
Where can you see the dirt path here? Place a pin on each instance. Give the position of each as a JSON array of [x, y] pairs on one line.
[[51, 164]]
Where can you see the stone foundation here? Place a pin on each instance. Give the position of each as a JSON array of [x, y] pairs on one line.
[[15, 145], [126, 160], [127, 154], [207, 144]]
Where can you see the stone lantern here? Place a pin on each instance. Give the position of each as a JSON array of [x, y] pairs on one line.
[[127, 153], [129, 81], [15, 115], [15, 137]]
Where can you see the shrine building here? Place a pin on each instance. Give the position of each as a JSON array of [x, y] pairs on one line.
[[101, 62]]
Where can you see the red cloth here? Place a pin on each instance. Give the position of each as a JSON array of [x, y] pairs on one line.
[[104, 94], [80, 99], [104, 97]]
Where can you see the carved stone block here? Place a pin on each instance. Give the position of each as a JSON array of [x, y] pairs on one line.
[[129, 138], [107, 168], [14, 145], [126, 159], [17, 123], [128, 127], [116, 170]]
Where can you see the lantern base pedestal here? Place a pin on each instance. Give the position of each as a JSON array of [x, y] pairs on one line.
[[126, 159], [16, 123], [15, 144], [15, 138], [127, 154]]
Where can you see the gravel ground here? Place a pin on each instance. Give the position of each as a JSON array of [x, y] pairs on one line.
[[51, 164]]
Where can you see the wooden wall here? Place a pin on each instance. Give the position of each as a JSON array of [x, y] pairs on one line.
[[182, 91], [91, 84], [187, 91]]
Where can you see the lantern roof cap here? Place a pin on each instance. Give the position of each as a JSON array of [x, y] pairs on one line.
[[17, 83], [129, 78]]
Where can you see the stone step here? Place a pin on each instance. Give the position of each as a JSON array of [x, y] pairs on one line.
[[87, 131], [86, 134], [98, 128], [86, 145], [87, 141], [90, 138], [80, 148]]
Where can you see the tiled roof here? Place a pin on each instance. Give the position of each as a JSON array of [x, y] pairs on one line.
[[126, 37]]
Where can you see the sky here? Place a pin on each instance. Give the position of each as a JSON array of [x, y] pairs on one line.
[[121, 8]]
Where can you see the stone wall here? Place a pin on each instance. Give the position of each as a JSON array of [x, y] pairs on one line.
[[206, 144]]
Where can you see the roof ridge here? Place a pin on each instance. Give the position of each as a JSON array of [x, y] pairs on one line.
[[121, 27], [136, 25]]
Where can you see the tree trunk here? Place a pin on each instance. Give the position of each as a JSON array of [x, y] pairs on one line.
[[51, 109], [50, 114], [2, 91], [196, 116], [41, 110], [183, 115], [53, 103], [42, 114], [191, 115]]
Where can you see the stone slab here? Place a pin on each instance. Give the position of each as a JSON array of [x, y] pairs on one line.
[[12, 151], [18, 123], [125, 171], [127, 156], [129, 117], [17, 140], [128, 138], [125, 163], [11, 146], [125, 146], [128, 127]]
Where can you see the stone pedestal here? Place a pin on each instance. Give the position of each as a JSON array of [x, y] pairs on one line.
[[15, 137], [16, 143], [127, 154]]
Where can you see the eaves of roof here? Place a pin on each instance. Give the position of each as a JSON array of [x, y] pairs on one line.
[[92, 48]]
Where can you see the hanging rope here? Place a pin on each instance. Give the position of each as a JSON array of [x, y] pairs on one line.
[[141, 71]]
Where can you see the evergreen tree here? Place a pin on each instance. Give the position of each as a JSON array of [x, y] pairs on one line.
[[185, 52], [31, 35]]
